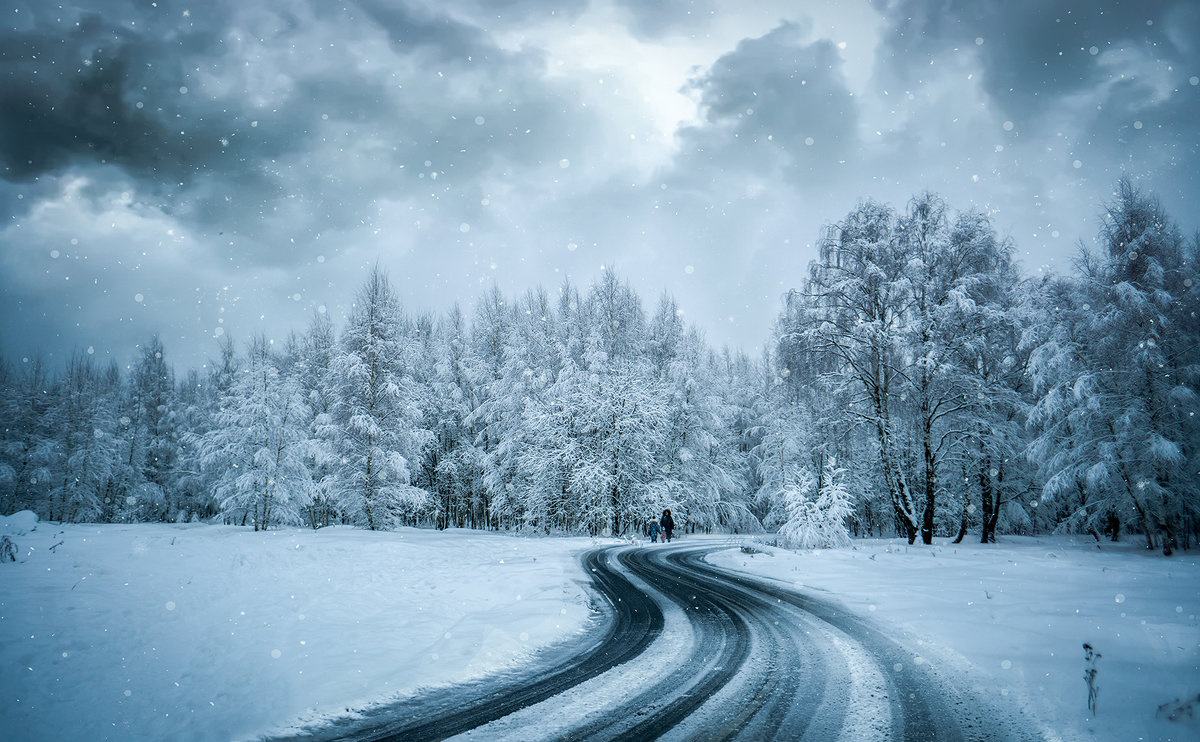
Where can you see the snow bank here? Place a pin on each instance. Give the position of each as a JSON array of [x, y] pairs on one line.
[[18, 524], [209, 632], [1019, 613]]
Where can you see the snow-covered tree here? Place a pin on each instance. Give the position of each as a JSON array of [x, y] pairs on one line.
[[703, 467], [816, 516], [28, 443], [855, 308], [314, 372], [1118, 376], [457, 479], [86, 451], [380, 422], [149, 440], [259, 445]]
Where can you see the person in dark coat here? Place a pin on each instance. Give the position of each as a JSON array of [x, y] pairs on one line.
[[668, 525]]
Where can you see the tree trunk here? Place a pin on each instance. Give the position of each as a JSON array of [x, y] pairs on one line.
[[930, 481], [989, 505], [897, 485], [966, 520]]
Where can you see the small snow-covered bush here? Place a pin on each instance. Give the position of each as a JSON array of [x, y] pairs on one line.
[[817, 522]]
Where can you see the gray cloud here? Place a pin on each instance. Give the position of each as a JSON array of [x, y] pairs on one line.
[[461, 144], [1032, 55], [774, 102], [1107, 85], [657, 19]]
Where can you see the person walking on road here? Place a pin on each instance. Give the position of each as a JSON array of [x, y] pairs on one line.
[[653, 531], [668, 525]]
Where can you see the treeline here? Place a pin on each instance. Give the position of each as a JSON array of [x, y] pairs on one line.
[[962, 394], [916, 383], [575, 412]]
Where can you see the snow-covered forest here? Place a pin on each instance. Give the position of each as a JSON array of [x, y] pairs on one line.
[[917, 382]]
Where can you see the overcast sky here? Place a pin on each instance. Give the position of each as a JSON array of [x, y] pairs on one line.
[[229, 167]]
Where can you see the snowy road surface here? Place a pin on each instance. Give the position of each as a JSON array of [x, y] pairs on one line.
[[687, 650]]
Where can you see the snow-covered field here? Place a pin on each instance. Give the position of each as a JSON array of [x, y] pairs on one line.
[[157, 632], [210, 632], [1020, 611]]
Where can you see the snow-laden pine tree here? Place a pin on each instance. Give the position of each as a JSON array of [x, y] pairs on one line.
[[703, 469], [380, 422], [198, 403], [314, 371], [544, 458], [514, 412], [619, 424], [149, 441], [817, 515], [258, 448], [1120, 390], [83, 419], [621, 416], [154, 389], [27, 448], [458, 466]]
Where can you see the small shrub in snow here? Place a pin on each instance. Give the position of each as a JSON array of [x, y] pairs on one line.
[[1090, 655], [8, 550], [820, 522], [1180, 708]]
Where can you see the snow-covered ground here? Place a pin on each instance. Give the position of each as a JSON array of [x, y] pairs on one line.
[[1020, 612], [157, 632], [211, 632]]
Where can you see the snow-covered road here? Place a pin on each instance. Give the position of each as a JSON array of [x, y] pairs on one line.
[[692, 651], [217, 633]]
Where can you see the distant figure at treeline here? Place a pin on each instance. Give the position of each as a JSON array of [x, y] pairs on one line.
[[668, 525]]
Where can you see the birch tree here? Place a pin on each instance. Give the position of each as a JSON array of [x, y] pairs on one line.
[[855, 303]]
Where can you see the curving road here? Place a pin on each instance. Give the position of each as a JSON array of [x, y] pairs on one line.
[[690, 651]]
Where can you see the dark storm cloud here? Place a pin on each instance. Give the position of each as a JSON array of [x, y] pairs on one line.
[[73, 96], [1119, 71], [1035, 56], [516, 141], [777, 101], [311, 137], [96, 89]]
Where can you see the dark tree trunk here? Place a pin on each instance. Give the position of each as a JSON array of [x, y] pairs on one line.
[[989, 504], [1113, 527], [964, 523], [930, 493]]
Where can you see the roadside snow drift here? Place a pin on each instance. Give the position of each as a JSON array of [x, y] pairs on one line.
[[1017, 614], [213, 633]]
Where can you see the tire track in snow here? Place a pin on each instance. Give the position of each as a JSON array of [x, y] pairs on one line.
[[633, 621], [760, 662]]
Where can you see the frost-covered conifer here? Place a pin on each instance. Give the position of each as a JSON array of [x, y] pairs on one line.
[[378, 415], [1118, 377], [86, 451], [259, 447]]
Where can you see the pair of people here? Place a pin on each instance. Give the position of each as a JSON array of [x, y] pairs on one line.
[[666, 524]]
